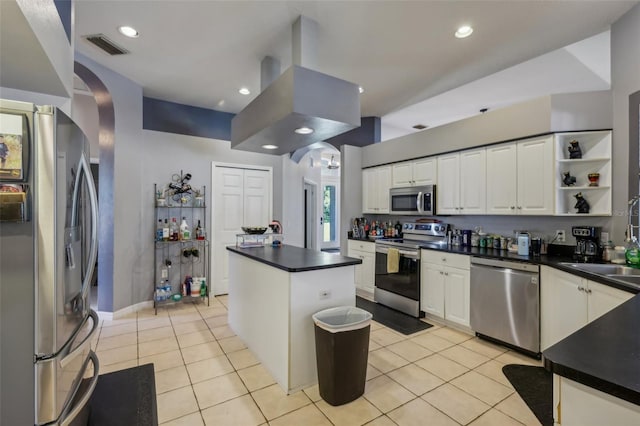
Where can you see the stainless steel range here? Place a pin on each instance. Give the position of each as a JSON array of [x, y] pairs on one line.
[[397, 282]]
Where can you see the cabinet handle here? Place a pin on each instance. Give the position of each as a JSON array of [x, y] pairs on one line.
[[441, 273], [513, 207], [588, 290], [519, 207], [444, 259], [446, 273], [580, 288]]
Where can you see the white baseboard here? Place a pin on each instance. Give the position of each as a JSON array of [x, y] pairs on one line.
[[125, 311]]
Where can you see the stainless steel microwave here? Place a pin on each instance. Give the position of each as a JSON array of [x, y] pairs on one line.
[[413, 200]]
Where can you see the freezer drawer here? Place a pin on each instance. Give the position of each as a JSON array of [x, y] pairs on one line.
[[505, 303]]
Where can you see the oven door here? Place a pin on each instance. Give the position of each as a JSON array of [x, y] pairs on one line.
[[398, 290]]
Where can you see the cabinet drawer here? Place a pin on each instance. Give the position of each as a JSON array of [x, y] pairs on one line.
[[461, 261], [361, 246]]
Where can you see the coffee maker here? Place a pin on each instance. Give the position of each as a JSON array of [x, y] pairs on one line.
[[587, 243]]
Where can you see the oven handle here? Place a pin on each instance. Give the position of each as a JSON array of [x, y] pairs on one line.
[[405, 253]]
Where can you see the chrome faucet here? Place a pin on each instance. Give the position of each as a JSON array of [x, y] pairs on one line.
[[632, 203]]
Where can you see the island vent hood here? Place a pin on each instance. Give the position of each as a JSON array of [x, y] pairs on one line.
[[299, 98]]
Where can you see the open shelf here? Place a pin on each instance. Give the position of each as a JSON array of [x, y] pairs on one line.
[[596, 158]]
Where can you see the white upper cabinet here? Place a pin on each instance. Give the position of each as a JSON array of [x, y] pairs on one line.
[[415, 173], [448, 190], [502, 181], [473, 182], [376, 183], [520, 177], [595, 148], [462, 182], [535, 176]]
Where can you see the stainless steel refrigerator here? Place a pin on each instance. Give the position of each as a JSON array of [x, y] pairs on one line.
[[48, 247]]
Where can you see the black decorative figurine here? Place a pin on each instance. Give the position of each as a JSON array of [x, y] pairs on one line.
[[568, 180], [581, 203], [574, 150]]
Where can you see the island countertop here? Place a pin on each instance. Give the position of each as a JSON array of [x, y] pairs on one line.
[[294, 259]]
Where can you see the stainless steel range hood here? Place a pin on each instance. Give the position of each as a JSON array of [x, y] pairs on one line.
[[300, 97]]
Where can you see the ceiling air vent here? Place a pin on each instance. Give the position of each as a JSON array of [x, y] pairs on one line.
[[101, 41]]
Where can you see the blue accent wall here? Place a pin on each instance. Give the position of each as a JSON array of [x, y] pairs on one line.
[[366, 134], [64, 11], [171, 117]]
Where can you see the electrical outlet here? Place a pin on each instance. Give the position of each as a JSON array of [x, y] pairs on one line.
[[560, 236], [324, 294]]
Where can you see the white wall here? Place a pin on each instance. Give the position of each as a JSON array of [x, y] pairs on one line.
[[625, 80], [85, 114]]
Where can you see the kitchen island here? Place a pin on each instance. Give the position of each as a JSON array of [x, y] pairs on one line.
[[273, 292]]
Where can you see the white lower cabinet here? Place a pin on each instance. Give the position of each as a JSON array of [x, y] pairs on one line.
[[569, 302], [575, 404], [444, 286], [365, 273]]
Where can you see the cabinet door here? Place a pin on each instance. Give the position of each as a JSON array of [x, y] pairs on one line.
[[402, 174], [447, 193], [473, 182], [424, 171], [563, 306], [384, 184], [358, 268], [456, 296], [535, 177], [368, 271], [432, 289], [502, 181], [603, 298], [369, 195]]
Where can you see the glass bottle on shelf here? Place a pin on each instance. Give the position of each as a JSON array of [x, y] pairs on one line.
[[173, 230], [159, 228], [165, 231], [200, 235]]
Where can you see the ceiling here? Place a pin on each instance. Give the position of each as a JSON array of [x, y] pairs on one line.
[[403, 53]]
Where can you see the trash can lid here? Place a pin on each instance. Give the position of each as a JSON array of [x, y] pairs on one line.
[[342, 318]]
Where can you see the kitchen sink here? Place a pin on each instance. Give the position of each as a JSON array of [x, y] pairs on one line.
[[605, 269], [631, 279]]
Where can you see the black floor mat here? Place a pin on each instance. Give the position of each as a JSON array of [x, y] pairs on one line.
[[535, 386], [125, 397], [393, 319]]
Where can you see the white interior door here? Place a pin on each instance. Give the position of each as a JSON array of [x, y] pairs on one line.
[[241, 197]]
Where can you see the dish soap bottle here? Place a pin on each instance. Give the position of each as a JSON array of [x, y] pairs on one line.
[[632, 253]]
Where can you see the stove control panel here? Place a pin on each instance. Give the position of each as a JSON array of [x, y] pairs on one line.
[[435, 229]]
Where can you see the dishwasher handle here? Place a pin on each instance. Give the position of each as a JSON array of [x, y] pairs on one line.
[[505, 264]]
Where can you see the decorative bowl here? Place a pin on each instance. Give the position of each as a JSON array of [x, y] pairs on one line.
[[254, 229]]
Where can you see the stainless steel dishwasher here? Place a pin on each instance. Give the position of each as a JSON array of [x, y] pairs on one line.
[[505, 302]]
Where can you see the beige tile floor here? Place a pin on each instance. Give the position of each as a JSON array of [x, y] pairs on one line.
[[205, 375]]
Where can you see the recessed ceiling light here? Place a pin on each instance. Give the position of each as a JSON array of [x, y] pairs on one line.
[[464, 31], [420, 126], [128, 31], [304, 130], [270, 146], [244, 91], [361, 89]]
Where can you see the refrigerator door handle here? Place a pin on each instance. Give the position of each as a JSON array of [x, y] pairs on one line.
[[86, 341], [67, 358], [83, 168], [73, 413]]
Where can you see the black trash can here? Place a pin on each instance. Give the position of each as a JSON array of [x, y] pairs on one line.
[[342, 350]]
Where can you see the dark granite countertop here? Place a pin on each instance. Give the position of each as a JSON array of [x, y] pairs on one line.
[[294, 259], [604, 354]]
